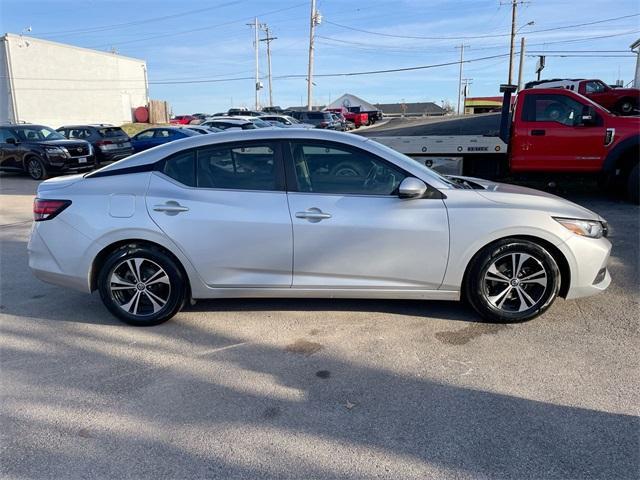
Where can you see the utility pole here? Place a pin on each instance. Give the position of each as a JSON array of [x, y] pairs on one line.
[[514, 8], [521, 66], [269, 38], [314, 20], [461, 47], [256, 46]]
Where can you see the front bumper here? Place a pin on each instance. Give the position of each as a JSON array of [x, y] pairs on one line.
[[589, 258], [59, 164]]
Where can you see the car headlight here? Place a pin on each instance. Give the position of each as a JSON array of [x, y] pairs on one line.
[[584, 228], [57, 151]]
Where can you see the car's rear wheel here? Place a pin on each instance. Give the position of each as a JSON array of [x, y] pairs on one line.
[[512, 280], [36, 169], [141, 285]]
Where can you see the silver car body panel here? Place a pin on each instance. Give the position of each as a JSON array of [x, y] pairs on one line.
[[252, 244]]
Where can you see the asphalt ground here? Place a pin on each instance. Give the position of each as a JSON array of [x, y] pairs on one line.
[[316, 388]]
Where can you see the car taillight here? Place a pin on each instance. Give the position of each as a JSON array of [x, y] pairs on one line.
[[44, 209], [100, 143], [324, 124]]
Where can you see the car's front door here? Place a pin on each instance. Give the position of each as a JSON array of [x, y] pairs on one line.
[[10, 150], [350, 228], [225, 207]]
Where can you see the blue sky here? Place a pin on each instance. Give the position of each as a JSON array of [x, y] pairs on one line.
[[214, 43]]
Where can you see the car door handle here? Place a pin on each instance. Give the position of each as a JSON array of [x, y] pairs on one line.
[[313, 215], [538, 133], [170, 208]]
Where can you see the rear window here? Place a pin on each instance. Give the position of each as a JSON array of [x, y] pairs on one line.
[[112, 132], [317, 115]]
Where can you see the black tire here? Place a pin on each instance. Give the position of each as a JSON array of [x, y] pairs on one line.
[[121, 265], [484, 294], [633, 185], [627, 106], [36, 168]]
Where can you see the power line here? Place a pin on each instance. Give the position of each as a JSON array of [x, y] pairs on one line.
[[469, 37], [64, 33], [199, 29]]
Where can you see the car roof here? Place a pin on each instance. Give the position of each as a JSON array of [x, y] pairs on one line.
[[239, 121]]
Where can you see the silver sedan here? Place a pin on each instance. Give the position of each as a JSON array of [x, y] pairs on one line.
[[308, 213]]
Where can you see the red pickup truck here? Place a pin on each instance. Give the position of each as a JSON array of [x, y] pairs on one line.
[[621, 100], [554, 130], [358, 119]]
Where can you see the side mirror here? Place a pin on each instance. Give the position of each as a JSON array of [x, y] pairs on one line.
[[588, 116], [412, 187], [12, 141]]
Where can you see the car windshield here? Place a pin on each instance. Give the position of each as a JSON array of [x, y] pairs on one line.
[[395, 154], [37, 132]]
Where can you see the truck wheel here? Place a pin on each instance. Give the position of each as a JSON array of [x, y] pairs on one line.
[[512, 280], [627, 106], [633, 185]]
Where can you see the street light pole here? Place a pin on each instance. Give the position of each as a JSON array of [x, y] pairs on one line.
[[312, 28], [461, 47], [521, 66], [514, 7]]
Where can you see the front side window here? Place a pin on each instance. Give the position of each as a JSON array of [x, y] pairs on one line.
[[163, 134], [145, 135], [252, 167], [552, 108], [333, 169], [80, 133]]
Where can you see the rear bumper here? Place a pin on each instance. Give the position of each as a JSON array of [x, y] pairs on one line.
[[114, 156]]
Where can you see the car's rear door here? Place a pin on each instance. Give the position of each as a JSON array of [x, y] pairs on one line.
[[350, 228], [225, 206]]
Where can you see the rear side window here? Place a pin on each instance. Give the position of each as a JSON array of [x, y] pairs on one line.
[[237, 168], [181, 167]]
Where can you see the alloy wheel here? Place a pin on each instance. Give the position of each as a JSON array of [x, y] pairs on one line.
[[515, 282], [35, 169], [140, 286]]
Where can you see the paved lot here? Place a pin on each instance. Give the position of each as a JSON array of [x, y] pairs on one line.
[[316, 389]]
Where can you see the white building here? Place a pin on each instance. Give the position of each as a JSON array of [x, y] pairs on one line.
[[348, 101], [55, 84]]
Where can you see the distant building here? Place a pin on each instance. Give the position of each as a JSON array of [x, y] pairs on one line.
[[350, 101], [56, 84], [482, 104]]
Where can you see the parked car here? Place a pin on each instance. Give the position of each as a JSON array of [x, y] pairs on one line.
[[357, 118], [318, 119], [109, 143], [152, 137], [624, 101], [234, 112], [41, 151], [340, 122], [286, 121], [182, 120], [308, 213], [226, 123], [202, 129]]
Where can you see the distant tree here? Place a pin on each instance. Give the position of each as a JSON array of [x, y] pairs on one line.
[[447, 106]]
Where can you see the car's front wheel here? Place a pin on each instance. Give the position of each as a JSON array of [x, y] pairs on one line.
[[36, 169], [141, 285], [512, 280]]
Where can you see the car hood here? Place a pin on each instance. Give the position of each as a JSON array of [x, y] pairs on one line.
[[524, 197], [628, 91], [63, 143]]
